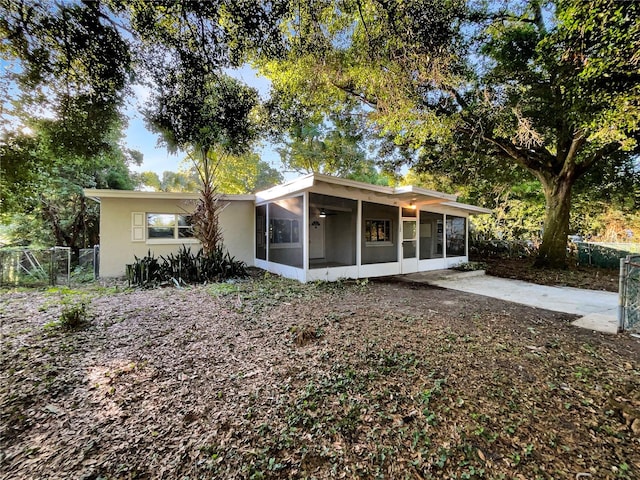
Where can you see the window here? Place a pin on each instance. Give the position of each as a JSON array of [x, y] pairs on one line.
[[284, 231], [377, 231], [261, 232], [168, 226]]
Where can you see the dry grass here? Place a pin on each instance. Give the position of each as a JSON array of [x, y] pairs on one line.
[[273, 379]]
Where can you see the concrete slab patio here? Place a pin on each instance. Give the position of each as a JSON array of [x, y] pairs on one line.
[[598, 309]]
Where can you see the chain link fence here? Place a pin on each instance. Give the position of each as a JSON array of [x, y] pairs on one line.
[[604, 255], [88, 268], [47, 266], [630, 293]]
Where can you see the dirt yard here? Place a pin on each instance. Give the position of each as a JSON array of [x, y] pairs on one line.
[[575, 276], [268, 378]]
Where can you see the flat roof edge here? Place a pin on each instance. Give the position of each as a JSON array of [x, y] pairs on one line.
[[473, 209], [424, 192], [307, 181], [294, 186], [98, 193]]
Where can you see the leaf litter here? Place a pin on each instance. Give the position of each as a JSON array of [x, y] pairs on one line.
[[269, 378]]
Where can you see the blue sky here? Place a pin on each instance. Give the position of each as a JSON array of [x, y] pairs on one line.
[[156, 157]]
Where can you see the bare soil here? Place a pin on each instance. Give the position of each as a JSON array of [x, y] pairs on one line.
[[592, 278], [268, 378]]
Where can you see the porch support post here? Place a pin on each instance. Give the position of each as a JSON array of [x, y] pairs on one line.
[[400, 234], [266, 233], [255, 234], [466, 237], [305, 235], [444, 239], [359, 236], [418, 238]]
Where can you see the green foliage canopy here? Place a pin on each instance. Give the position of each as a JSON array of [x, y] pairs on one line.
[[61, 122], [551, 87]]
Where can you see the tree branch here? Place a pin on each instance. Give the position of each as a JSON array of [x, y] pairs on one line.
[[598, 155], [458, 97], [577, 143], [526, 158], [360, 96], [95, 7], [364, 24]]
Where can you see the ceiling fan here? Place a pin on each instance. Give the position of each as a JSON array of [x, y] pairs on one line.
[[324, 213]]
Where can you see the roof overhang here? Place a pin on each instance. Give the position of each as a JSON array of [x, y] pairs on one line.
[[97, 194], [410, 194], [470, 209], [285, 189]]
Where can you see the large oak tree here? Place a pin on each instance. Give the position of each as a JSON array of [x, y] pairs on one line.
[[551, 87]]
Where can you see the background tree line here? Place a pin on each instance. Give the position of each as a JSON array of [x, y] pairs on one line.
[[527, 106]]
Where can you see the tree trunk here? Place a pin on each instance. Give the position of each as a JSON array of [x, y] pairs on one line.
[[207, 226], [205, 217], [553, 250]]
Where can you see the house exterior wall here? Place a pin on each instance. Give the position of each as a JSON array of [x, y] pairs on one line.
[[117, 248]]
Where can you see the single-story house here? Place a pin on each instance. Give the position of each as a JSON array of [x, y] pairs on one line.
[[316, 227]]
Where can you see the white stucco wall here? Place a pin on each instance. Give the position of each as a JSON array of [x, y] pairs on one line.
[[117, 248]]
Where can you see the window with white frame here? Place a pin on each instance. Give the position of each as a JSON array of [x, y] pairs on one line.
[[377, 231], [169, 226]]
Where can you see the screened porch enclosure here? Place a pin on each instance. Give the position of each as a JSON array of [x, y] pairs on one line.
[[431, 235], [285, 231], [388, 235], [380, 239], [332, 231], [326, 228]]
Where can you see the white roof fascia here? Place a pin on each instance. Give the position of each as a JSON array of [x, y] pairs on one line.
[[97, 193], [472, 209], [391, 191], [353, 184], [308, 181], [424, 192], [285, 189], [89, 193], [433, 201]]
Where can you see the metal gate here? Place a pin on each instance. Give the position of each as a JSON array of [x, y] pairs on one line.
[[35, 267], [630, 293]]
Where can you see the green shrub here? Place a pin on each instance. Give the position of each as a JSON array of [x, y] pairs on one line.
[[184, 267], [470, 266], [73, 315], [603, 255], [82, 274], [502, 248]]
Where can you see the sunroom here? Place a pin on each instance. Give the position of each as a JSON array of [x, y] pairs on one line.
[[325, 228]]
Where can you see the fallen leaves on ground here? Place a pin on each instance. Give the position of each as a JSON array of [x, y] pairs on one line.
[[591, 278], [269, 378]]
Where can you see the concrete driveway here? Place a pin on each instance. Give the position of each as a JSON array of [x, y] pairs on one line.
[[598, 309]]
